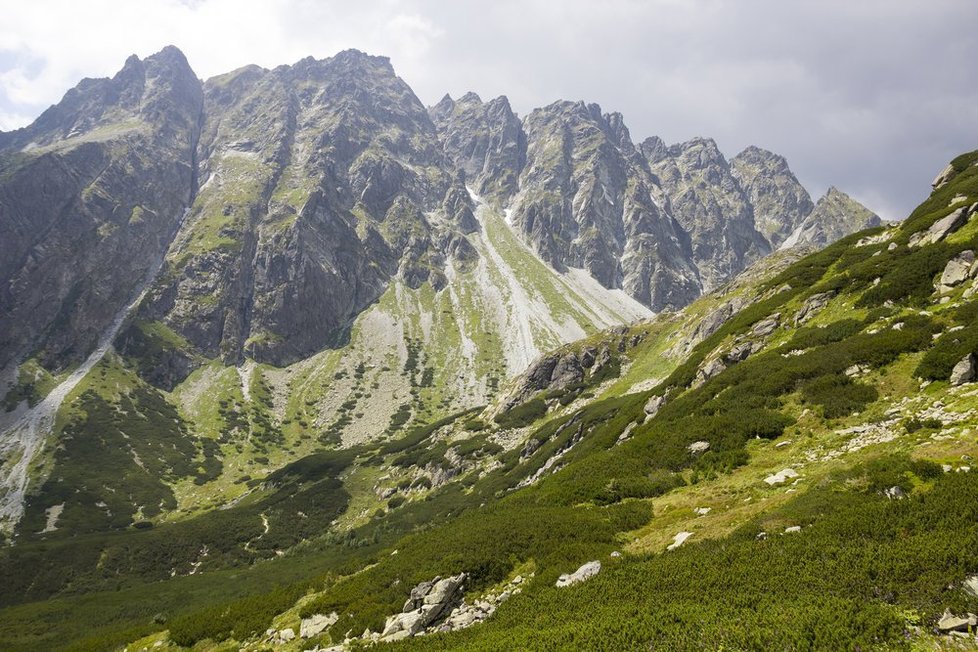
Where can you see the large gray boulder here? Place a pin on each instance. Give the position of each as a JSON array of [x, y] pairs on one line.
[[943, 227], [957, 271], [964, 371]]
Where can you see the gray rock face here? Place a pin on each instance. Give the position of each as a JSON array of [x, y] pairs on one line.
[[317, 179], [587, 199], [965, 371], [779, 200], [835, 215], [90, 195], [485, 140], [710, 205]]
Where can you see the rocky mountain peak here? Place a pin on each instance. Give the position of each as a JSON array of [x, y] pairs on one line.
[[483, 139], [835, 215], [710, 205], [780, 202]]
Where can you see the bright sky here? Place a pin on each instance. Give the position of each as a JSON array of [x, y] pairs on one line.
[[874, 96]]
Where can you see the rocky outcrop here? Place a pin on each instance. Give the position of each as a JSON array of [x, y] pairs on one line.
[[779, 200], [710, 205], [428, 603], [943, 177], [835, 215], [582, 574], [90, 196], [943, 227]]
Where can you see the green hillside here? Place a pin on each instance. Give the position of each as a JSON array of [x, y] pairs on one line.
[[785, 464]]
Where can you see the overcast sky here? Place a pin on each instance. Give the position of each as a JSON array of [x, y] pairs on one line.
[[873, 96]]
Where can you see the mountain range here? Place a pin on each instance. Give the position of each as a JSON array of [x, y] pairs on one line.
[[290, 360]]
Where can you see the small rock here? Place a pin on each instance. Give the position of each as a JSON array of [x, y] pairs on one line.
[[286, 635], [894, 493], [792, 529], [679, 540], [617, 554], [761, 536], [698, 447], [585, 572], [702, 511]]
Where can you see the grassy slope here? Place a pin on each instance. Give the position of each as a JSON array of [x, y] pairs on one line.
[[864, 570]]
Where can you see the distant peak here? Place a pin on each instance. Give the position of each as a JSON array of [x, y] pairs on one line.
[[469, 98]]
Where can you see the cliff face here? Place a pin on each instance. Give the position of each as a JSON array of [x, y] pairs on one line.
[[779, 201], [710, 205], [90, 195]]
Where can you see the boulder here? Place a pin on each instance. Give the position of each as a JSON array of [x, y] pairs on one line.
[[781, 477], [971, 585], [952, 623], [957, 271], [653, 405], [811, 306], [942, 227], [429, 601], [767, 325], [709, 370], [739, 352], [316, 624], [585, 572], [964, 371], [698, 447], [286, 635], [793, 529]]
